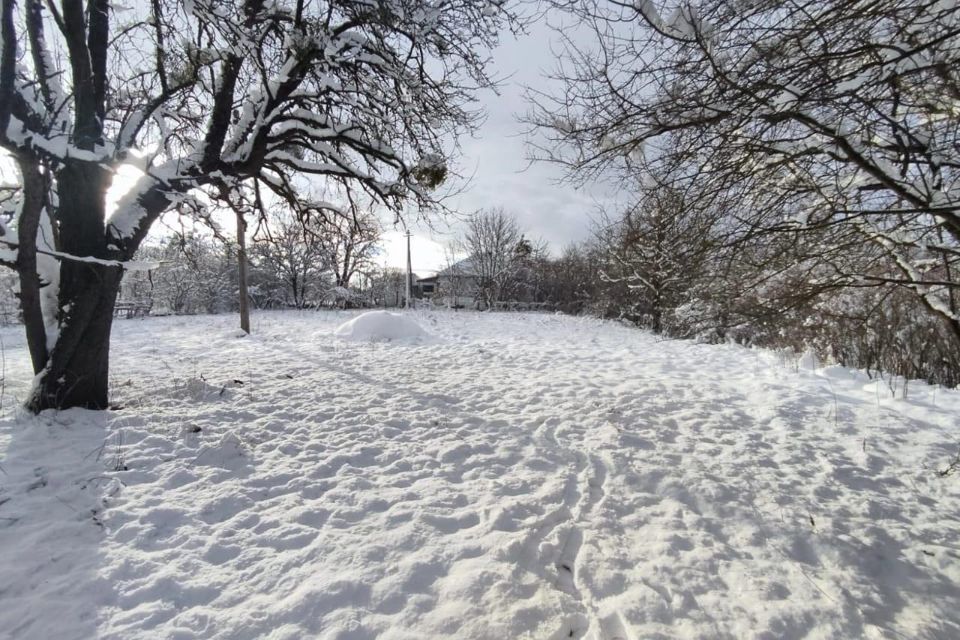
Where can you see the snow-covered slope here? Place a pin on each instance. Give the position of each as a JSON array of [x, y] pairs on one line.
[[517, 476]]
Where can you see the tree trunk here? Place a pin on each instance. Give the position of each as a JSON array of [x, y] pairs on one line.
[[242, 273], [34, 191], [77, 370], [76, 373]]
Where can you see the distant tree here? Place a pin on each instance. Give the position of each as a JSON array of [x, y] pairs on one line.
[[496, 248], [456, 280], [570, 282], [350, 243], [292, 252], [318, 254], [214, 266], [387, 287], [207, 95], [194, 274]]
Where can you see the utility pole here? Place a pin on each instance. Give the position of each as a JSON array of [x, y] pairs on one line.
[[409, 304]]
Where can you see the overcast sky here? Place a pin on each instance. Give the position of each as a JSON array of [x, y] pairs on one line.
[[497, 160]]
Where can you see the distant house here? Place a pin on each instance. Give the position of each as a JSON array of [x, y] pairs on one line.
[[459, 286], [390, 289], [425, 287], [456, 286]]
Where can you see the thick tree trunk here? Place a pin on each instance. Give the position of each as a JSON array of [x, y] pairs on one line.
[[77, 369], [76, 372]]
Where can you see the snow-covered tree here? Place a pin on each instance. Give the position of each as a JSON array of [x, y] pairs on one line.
[[207, 95], [658, 251], [388, 287], [834, 120], [194, 274]]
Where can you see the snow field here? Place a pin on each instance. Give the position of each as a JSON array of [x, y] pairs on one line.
[[515, 476]]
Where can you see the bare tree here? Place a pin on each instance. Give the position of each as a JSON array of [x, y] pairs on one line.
[[291, 251], [570, 282], [350, 244], [494, 244], [207, 95]]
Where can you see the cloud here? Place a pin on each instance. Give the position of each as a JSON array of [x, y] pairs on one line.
[[497, 158]]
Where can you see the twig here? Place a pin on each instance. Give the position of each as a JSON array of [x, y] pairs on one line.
[[952, 466]]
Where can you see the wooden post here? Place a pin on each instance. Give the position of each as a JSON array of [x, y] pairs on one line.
[[242, 272]]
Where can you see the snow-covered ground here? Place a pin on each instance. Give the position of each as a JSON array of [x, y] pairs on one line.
[[506, 476]]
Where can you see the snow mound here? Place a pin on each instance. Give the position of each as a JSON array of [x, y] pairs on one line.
[[379, 325]]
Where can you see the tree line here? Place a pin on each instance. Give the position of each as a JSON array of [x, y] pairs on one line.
[[292, 263]]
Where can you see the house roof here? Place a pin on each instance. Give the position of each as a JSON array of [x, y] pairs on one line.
[[465, 267]]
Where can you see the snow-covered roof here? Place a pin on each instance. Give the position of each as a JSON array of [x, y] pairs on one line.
[[465, 267]]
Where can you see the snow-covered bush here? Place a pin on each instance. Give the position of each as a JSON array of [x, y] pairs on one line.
[[881, 330], [9, 307], [194, 274]]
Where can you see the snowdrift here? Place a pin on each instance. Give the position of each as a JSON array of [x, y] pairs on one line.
[[379, 325]]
